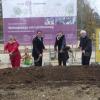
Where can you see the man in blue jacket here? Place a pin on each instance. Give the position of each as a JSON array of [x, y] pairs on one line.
[[86, 47]]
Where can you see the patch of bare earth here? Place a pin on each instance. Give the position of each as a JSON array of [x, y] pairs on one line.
[[50, 83]]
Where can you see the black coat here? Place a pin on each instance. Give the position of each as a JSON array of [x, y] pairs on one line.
[[86, 44], [61, 43], [38, 46]]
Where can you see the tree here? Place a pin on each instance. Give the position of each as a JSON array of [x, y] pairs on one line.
[[86, 19]]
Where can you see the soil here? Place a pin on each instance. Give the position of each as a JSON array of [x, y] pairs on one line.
[[50, 83]]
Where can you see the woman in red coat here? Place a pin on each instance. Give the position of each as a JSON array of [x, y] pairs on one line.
[[12, 48]]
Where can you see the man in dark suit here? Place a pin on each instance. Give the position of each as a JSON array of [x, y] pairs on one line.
[[38, 47], [86, 47], [61, 44]]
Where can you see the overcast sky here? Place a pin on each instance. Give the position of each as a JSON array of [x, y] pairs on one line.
[[95, 4]]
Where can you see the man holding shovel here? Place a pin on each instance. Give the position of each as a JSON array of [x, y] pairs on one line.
[[38, 47]]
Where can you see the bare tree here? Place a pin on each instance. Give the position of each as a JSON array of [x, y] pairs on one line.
[[86, 19]]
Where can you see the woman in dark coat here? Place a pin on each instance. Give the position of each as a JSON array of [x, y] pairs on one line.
[[62, 53]]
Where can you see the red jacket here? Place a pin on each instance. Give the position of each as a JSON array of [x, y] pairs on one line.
[[13, 48]]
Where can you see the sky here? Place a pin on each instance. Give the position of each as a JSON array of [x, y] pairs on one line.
[[95, 4]]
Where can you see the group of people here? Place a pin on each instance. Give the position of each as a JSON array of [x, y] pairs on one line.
[[38, 47]]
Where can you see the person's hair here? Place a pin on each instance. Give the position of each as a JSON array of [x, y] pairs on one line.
[[12, 37], [83, 31], [39, 31]]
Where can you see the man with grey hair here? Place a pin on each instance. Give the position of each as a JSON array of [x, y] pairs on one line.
[[86, 47]]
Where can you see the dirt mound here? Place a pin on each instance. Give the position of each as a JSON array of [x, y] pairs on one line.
[[50, 74], [50, 83]]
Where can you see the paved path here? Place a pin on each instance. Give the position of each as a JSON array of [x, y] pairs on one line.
[[75, 59]]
